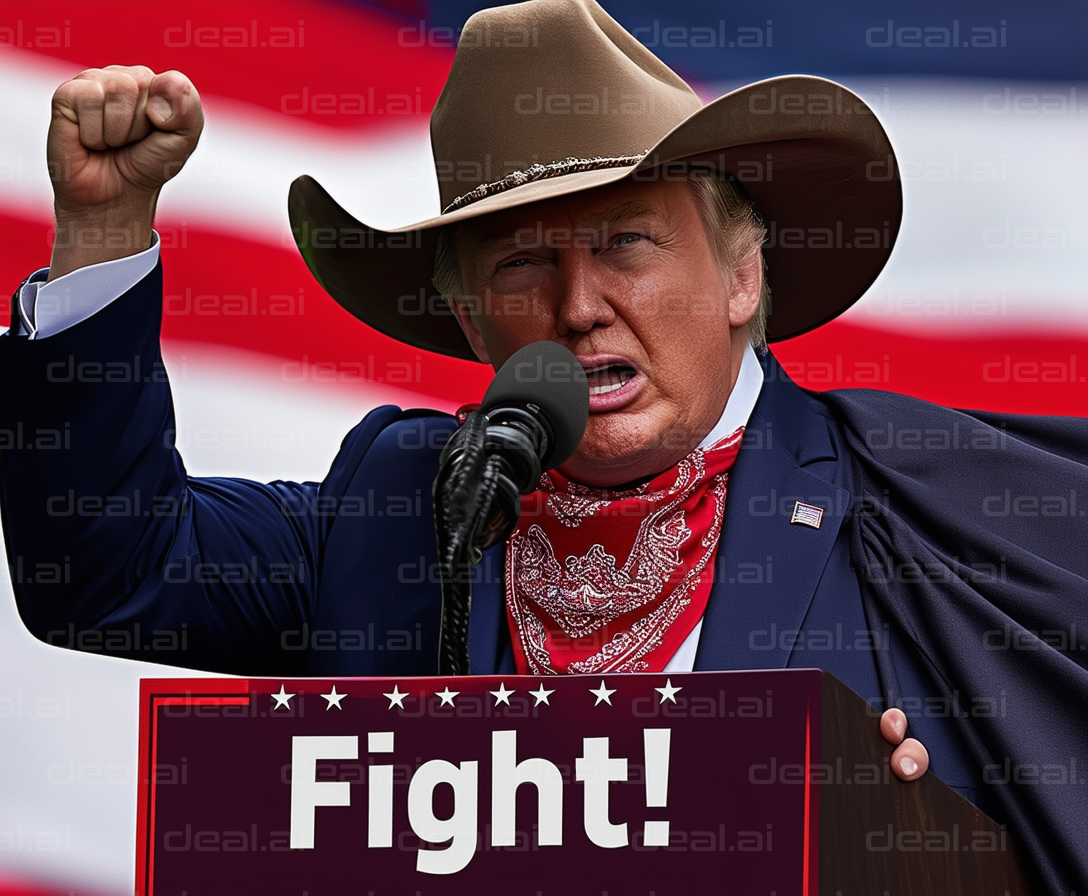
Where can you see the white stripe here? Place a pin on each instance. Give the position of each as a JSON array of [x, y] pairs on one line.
[[994, 233], [240, 172]]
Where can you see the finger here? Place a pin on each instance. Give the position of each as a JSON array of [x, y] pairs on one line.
[[64, 99], [126, 95], [122, 116], [910, 760], [893, 726], [79, 103]]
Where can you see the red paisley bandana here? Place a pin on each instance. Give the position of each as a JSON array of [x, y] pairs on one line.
[[631, 585]]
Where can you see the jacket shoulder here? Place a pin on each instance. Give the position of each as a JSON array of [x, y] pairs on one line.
[[393, 436]]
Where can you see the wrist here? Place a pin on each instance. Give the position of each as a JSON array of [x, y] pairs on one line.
[[90, 236]]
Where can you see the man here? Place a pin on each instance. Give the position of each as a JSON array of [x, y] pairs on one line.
[[622, 237]]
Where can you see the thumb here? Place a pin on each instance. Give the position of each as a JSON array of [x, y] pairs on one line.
[[176, 118], [173, 105], [160, 111]]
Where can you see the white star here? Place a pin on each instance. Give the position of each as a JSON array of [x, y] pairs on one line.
[[502, 695], [446, 696], [668, 692], [603, 694], [396, 698], [542, 695], [282, 699], [334, 699]]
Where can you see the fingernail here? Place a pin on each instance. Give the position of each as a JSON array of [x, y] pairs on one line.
[[160, 105], [908, 766]]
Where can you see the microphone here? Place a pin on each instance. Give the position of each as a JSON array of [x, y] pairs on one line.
[[532, 419]]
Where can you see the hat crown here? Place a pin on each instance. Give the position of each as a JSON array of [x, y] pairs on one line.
[[551, 98], [544, 81]]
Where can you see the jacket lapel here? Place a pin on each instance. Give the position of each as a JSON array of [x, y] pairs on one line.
[[768, 569], [488, 638]]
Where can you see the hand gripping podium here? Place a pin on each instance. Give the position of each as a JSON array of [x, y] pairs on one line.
[[735, 782]]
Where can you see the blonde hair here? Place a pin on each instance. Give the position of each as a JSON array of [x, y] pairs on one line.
[[736, 232]]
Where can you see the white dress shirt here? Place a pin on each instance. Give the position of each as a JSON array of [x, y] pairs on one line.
[[742, 400]]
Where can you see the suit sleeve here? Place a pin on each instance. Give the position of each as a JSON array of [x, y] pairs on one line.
[[112, 547]]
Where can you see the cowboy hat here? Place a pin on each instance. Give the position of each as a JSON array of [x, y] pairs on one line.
[[552, 97]]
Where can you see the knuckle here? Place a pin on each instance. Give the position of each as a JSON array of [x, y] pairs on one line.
[[176, 81], [122, 83]]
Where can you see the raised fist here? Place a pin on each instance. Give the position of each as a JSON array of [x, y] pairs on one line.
[[118, 134]]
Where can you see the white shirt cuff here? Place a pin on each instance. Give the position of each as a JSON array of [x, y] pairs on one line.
[[46, 309]]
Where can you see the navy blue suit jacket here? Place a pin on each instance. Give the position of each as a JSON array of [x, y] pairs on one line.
[[340, 577]]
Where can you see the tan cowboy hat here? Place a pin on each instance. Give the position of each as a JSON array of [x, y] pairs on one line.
[[552, 97]]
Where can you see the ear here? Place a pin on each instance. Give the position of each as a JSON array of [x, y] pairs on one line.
[[747, 282], [462, 310]]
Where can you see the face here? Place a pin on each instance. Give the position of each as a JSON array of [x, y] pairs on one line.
[[626, 278]]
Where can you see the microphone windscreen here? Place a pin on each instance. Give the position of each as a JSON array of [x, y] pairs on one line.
[[549, 376]]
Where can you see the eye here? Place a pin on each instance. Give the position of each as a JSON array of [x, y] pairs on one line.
[[514, 270], [625, 239], [516, 263]]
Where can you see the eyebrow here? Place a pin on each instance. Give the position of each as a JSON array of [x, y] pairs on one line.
[[620, 211], [625, 210]]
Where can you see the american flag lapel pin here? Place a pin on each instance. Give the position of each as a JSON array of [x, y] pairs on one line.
[[807, 514]]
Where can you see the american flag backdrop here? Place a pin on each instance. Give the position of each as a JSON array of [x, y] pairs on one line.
[[984, 304]]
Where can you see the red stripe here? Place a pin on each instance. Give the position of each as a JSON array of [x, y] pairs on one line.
[[225, 290], [10, 886], [337, 64], [143, 784], [806, 889], [1016, 371], [201, 701], [151, 808]]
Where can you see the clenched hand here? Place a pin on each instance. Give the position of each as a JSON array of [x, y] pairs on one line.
[[117, 134]]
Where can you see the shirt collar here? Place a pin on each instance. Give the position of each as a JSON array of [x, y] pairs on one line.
[[742, 400]]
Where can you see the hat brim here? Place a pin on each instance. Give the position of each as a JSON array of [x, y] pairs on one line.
[[810, 153]]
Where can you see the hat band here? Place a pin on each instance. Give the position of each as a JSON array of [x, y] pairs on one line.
[[540, 171]]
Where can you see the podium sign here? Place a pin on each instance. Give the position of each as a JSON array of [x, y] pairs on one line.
[[651, 783], [743, 782]]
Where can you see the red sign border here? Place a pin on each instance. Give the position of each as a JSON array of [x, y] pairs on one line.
[[156, 692]]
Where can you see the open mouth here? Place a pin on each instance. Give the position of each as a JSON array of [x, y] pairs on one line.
[[609, 377]]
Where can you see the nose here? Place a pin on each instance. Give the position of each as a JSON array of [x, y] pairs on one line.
[[584, 301]]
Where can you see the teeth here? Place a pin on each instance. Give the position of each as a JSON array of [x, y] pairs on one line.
[[606, 378]]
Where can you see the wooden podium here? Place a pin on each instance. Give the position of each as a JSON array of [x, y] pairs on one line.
[[735, 782], [915, 838]]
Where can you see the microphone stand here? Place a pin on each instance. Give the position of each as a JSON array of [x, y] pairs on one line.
[[455, 519], [532, 418], [476, 500]]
